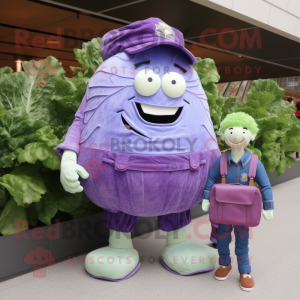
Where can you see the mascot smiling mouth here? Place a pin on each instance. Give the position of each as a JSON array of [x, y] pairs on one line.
[[155, 115]]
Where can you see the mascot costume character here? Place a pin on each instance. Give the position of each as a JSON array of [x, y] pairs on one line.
[[236, 202], [142, 142]]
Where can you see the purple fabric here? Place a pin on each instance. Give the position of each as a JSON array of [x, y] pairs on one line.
[[252, 167], [175, 221], [144, 193], [119, 221], [107, 102], [126, 223], [184, 149], [235, 204], [117, 280], [213, 239], [142, 35], [150, 163], [72, 138], [223, 164], [174, 272], [99, 124]]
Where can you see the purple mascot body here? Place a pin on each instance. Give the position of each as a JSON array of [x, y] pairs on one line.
[[144, 134]]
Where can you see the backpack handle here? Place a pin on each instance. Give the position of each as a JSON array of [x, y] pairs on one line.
[[223, 167], [252, 168]]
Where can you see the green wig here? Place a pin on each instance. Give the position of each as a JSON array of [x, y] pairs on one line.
[[239, 119]]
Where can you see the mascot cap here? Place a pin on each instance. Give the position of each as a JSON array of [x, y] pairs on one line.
[[142, 35]]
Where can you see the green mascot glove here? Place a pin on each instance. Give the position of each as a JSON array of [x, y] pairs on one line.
[[205, 205], [268, 214], [69, 171]]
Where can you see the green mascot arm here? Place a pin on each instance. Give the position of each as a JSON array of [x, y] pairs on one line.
[[268, 214], [69, 171], [205, 205]]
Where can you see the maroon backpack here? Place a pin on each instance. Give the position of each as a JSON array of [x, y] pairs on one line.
[[236, 204]]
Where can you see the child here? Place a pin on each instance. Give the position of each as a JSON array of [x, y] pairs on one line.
[[238, 129]]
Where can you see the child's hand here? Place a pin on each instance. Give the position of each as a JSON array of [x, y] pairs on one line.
[[268, 214], [205, 205]]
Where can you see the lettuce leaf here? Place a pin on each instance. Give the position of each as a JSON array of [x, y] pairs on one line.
[[86, 208], [37, 107], [206, 70], [67, 96], [64, 201], [3, 200], [279, 129], [267, 86], [219, 106], [6, 70], [254, 151], [18, 90], [39, 151], [13, 218], [16, 130], [89, 57], [25, 184], [46, 209], [43, 150]]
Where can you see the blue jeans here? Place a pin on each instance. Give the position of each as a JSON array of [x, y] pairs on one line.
[[241, 246]]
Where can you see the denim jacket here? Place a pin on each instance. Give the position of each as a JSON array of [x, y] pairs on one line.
[[238, 173]]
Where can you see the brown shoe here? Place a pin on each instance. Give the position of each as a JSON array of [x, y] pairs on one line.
[[223, 272], [246, 282]]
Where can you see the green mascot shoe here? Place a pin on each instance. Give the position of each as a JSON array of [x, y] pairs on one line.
[[181, 257], [116, 262]]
